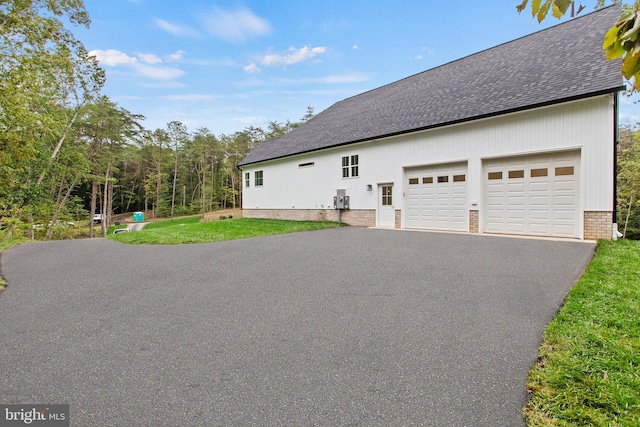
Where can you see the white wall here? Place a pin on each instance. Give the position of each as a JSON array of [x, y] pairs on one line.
[[586, 125]]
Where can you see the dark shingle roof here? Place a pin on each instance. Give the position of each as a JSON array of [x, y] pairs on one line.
[[555, 65]]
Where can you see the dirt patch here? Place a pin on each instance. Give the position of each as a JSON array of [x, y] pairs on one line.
[[226, 213]]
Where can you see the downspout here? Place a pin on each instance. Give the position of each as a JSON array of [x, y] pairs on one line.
[[614, 226]]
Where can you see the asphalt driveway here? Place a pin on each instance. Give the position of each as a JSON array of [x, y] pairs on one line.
[[348, 326]]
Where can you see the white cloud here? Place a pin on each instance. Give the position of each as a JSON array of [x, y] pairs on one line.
[[235, 25], [251, 68], [355, 46], [222, 62], [177, 56], [176, 30], [158, 73], [293, 56], [425, 50], [112, 57], [147, 66], [149, 58]]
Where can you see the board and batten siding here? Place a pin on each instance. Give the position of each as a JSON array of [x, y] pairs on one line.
[[584, 125]]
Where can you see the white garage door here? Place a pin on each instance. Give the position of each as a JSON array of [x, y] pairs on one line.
[[437, 197], [534, 195]]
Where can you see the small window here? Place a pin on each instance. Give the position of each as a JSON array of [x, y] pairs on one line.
[[535, 173], [413, 181], [568, 170], [345, 167], [427, 180], [306, 165], [516, 174], [354, 165], [443, 178], [350, 166], [495, 175], [258, 179], [246, 179], [459, 178], [387, 196]]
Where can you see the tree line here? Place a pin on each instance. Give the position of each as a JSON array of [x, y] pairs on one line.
[[109, 164], [67, 152]]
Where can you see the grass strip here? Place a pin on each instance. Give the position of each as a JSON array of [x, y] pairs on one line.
[[188, 231], [588, 370]]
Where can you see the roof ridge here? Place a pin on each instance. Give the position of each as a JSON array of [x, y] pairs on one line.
[[570, 21]]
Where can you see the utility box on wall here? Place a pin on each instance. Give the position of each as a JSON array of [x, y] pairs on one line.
[[341, 201]]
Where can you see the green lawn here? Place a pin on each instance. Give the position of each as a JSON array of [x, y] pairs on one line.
[[588, 371], [195, 219], [189, 230]]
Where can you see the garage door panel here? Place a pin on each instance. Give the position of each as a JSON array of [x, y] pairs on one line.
[[560, 215], [536, 214], [513, 227], [539, 186], [515, 201], [516, 214], [532, 195], [514, 187], [539, 228], [562, 200], [564, 186], [539, 161], [539, 201]]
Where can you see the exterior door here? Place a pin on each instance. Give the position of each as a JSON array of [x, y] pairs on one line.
[[386, 211]]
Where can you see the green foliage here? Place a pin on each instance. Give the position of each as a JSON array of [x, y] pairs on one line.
[[540, 8], [629, 183], [621, 41], [46, 77], [587, 371], [167, 232]]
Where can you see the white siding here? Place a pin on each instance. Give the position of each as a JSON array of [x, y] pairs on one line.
[[585, 125]]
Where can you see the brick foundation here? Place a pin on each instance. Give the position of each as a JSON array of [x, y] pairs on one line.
[[597, 225], [361, 217], [474, 222]]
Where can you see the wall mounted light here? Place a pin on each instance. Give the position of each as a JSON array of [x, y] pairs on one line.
[[369, 187]]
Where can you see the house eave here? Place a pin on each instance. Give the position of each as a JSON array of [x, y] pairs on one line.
[[450, 123]]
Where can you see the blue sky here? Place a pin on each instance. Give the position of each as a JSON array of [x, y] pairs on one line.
[[226, 65]]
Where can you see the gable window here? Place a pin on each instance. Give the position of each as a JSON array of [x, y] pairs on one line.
[[258, 179], [350, 166], [345, 167], [354, 165], [246, 179]]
